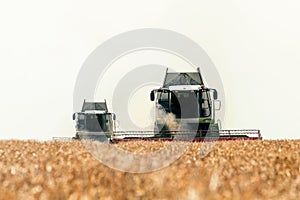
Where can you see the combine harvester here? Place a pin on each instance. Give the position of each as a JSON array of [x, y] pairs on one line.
[[186, 110], [94, 121]]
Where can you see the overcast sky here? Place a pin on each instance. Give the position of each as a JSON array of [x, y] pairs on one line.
[[254, 45]]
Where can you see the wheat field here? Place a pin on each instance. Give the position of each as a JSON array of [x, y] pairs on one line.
[[267, 169]]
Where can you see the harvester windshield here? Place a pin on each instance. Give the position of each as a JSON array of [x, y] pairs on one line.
[[95, 122], [186, 104]]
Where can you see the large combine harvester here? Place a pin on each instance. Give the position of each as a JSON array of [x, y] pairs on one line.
[[185, 110]]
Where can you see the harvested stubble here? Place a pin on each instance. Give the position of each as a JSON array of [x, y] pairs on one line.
[[232, 170]]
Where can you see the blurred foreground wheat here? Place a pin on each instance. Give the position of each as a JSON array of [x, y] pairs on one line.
[[232, 170]]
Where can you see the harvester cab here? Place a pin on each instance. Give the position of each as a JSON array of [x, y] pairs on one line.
[[184, 97], [94, 121]]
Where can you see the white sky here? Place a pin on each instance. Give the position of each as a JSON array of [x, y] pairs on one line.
[[254, 45]]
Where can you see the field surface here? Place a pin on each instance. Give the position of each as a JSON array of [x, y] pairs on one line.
[[231, 170]]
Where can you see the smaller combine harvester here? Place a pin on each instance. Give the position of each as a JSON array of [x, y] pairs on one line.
[[94, 121]]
